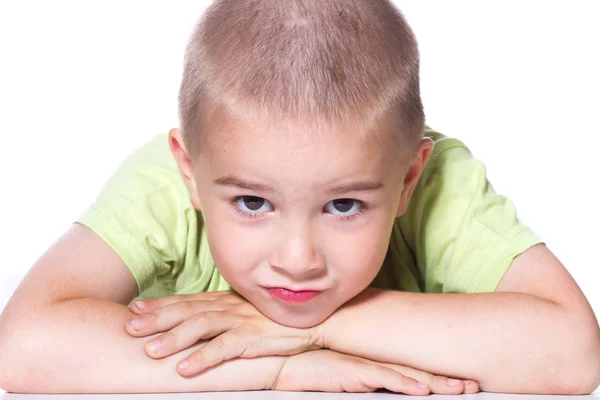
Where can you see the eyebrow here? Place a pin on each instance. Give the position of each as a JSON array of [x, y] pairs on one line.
[[359, 186]]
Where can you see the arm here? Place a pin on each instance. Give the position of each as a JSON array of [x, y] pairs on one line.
[[80, 346], [536, 334], [62, 331]]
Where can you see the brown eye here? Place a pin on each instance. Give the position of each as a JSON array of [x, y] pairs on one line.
[[252, 205], [344, 207]]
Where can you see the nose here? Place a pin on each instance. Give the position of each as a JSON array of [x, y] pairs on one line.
[[297, 254]]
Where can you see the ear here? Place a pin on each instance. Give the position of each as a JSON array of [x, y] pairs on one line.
[[184, 162], [413, 173]]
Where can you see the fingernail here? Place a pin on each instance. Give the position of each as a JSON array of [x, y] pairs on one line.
[[422, 385], [136, 323], [467, 382], [139, 305], [183, 364], [453, 382], [155, 346]]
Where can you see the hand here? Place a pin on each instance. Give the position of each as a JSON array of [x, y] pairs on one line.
[[329, 371], [236, 327]]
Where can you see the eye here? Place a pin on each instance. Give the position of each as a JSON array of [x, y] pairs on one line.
[[251, 206], [345, 208]]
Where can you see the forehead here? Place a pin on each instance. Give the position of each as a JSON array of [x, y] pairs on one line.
[[305, 153]]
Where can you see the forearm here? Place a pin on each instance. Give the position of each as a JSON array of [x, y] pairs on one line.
[[80, 346], [509, 342]]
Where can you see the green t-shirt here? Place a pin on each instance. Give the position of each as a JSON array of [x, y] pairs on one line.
[[457, 235]]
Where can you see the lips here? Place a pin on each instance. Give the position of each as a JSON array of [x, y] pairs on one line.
[[293, 296]]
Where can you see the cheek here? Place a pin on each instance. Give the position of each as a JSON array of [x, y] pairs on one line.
[[234, 248], [362, 257]]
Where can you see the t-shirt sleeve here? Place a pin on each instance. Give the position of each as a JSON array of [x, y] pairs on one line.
[[463, 234], [141, 213]]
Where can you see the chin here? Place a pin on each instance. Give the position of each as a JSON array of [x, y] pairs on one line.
[[293, 316], [295, 320]]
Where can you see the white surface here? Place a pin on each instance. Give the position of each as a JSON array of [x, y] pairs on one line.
[[83, 84], [274, 395]]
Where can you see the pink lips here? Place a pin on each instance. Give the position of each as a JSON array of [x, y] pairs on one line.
[[293, 297]]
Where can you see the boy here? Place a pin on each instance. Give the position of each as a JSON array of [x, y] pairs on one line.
[[301, 145]]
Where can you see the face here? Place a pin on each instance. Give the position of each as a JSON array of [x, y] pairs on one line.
[[298, 223]]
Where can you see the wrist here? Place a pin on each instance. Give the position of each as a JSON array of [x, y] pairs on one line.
[[337, 322], [281, 381], [316, 336]]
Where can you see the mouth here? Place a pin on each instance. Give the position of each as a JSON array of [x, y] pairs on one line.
[[293, 296]]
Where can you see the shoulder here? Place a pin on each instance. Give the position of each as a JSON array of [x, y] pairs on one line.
[[148, 169], [145, 214], [462, 233]]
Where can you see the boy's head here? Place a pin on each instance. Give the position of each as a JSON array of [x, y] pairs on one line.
[[301, 141]]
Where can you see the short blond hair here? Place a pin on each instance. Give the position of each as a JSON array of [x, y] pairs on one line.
[[302, 59]]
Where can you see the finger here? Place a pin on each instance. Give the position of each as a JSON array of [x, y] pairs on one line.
[[205, 325], [383, 377], [443, 385], [470, 386], [438, 384], [416, 374], [149, 305], [225, 347], [168, 317]]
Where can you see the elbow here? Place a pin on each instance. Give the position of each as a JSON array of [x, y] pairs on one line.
[[6, 378], [13, 376], [18, 372], [583, 377], [13, 382], [586, 382], [10, 378], [591, 366], [5, 383], [9, 384]]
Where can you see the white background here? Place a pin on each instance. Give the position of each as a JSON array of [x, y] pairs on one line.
[[82, 84]]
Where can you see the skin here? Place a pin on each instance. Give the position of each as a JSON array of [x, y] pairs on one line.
[[299, 237]]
